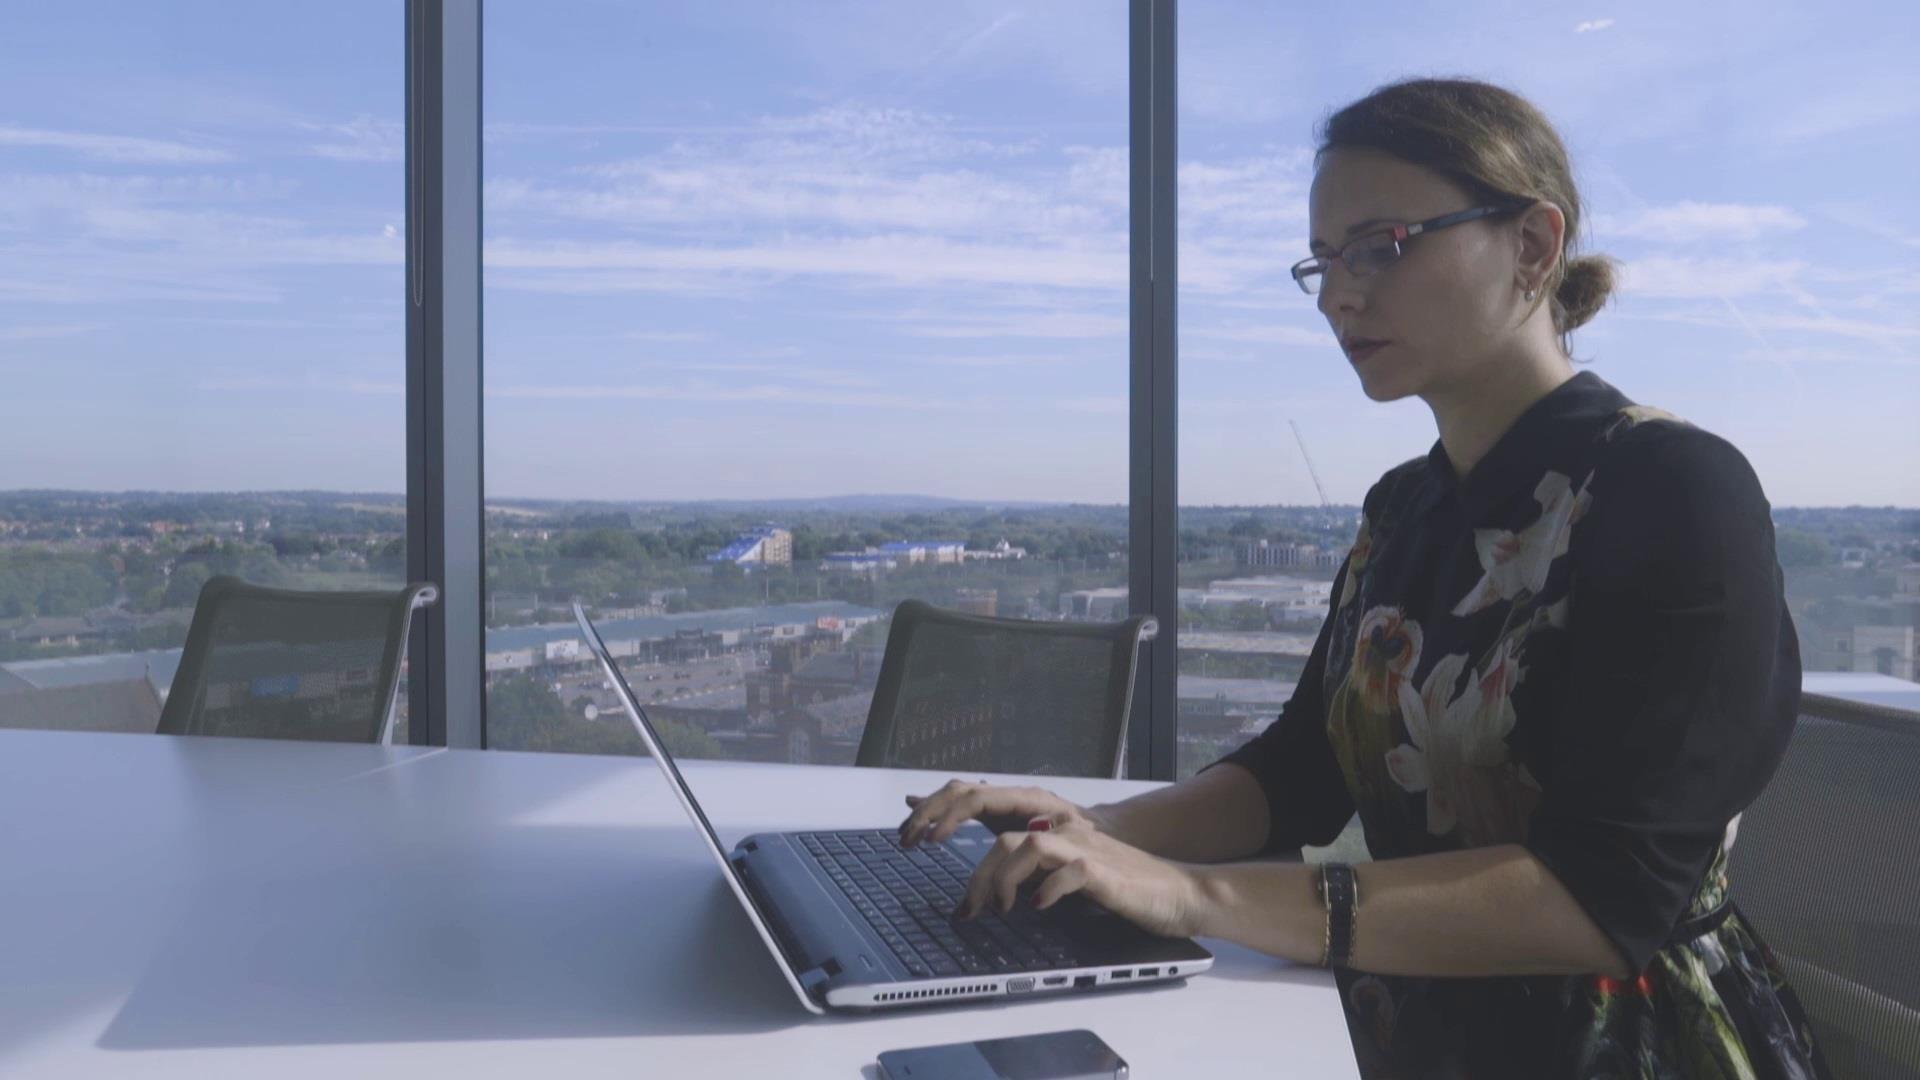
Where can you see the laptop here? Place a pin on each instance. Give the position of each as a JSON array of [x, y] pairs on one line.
[[857, 923]]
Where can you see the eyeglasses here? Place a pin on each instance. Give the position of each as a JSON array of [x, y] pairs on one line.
[[1377, 250]]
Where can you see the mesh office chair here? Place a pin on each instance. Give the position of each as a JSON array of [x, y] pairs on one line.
[[976, 693], [1825, 865], [281, 664]]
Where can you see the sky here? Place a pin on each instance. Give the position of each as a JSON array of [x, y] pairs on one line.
[[760, 249]]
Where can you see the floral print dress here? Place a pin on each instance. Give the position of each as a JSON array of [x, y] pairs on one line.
[[1582, 648]]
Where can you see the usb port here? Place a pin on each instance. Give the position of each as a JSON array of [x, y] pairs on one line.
[[1121, 975], [1148, 973]]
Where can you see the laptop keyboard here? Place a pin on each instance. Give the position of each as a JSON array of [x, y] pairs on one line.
[[908, 896]]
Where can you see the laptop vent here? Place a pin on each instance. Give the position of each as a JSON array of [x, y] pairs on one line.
[[936, 992]]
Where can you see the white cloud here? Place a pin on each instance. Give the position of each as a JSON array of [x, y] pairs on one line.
[[368, 387], [1592, 25], [1693, 222], [998, 360], [846, 195], [1872, 99], [668, 336], [1269, 190], [1871, 220], [1827, 354], [1668, 277], [119, 149], [1051, 324], [1322, 338], [363, 138], [893, 258], [92, 237], [1886, 335], [1099, 406], [799, 371], [699, 391], [811, 187]]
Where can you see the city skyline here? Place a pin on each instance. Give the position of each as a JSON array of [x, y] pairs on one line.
[[893, 258]]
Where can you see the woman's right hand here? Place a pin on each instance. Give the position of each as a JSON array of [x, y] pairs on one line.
[[938, 816]]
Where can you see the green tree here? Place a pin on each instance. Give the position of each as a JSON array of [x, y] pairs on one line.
[[686, 741], [1795, 548], [183, 587]]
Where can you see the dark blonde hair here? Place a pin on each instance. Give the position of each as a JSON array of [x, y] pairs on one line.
[[1496, 146]]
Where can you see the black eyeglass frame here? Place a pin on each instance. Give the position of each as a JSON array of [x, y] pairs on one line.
[[1320, 264]]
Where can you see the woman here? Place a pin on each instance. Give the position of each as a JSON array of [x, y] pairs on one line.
[[1557, 666]]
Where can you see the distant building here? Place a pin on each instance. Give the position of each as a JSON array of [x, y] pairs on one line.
[[1287, 555], [768, 545], [1217, 709], [1001, 550], [131, 705], [978, 601], [1289, 593], [676, 638], [1096, 605], [1886, 650], [808, 671], [932, 551], [96, 625], [858, 562]]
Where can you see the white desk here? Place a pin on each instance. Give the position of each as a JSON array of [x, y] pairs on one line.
[[211, 907]]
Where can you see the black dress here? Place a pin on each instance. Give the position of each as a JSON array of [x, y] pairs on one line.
[[1583, 648]]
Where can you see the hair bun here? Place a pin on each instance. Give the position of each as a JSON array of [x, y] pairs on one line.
[[1584, 290]]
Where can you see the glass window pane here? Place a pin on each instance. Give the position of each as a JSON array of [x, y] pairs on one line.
[[1749, 174], [202, 345], [792, 315]]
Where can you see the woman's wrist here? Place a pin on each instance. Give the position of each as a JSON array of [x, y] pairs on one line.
[[1105, 819], [1271, 907]]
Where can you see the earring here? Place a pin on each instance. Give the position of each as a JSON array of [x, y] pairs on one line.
[[1529, 295]]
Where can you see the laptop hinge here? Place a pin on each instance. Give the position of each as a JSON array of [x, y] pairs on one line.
[[812, 976]]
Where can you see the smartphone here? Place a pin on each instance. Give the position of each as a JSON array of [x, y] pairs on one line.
[[1056, 1055]]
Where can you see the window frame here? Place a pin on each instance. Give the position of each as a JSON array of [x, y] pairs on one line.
[[446, 532]]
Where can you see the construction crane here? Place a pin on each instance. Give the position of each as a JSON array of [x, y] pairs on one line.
[[1311, 471]]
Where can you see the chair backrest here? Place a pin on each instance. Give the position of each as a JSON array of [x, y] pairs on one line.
[[283, 664], [977, 693], [1826, 864]]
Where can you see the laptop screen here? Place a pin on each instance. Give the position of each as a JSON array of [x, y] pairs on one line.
[[657, 747]]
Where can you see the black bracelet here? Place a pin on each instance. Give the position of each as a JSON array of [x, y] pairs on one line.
[[1340, 892]]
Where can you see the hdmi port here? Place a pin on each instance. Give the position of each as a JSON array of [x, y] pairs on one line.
[[1054, 980]]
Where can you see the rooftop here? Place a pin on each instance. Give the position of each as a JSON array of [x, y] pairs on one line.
[[651, 627]]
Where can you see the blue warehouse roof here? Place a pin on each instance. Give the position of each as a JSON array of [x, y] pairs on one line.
[[735, 551]]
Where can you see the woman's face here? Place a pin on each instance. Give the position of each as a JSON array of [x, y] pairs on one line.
[[1445, 308]]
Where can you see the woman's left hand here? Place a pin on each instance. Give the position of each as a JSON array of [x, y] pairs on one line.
[[1161, 896]]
